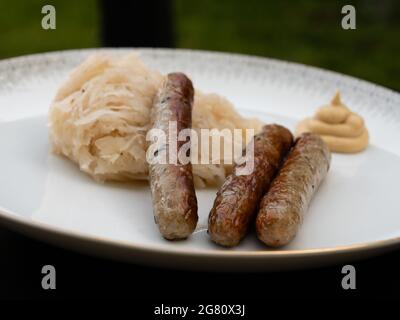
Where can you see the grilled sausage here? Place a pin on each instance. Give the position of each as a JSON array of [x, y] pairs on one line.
[[172, 188], [236, 201], [284, 205]]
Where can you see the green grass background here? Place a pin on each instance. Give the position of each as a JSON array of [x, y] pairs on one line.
[[304, 31]]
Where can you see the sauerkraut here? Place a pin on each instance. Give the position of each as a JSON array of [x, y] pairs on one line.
[[101, 114]]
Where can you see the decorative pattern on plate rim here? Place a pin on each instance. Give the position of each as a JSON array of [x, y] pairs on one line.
[[374, 99]]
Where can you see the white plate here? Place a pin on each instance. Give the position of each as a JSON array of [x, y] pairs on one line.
[[355, 213]]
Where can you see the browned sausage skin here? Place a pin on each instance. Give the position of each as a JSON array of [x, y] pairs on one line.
[[237, 199], [284, 205], [172, 188]]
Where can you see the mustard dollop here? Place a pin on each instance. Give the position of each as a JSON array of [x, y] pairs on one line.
[[342, 130]]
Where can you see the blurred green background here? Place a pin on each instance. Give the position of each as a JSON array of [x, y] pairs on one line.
[[303, 31]]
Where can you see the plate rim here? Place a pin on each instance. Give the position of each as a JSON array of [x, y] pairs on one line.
[[12, 219], [235, 55], [30, 226]]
